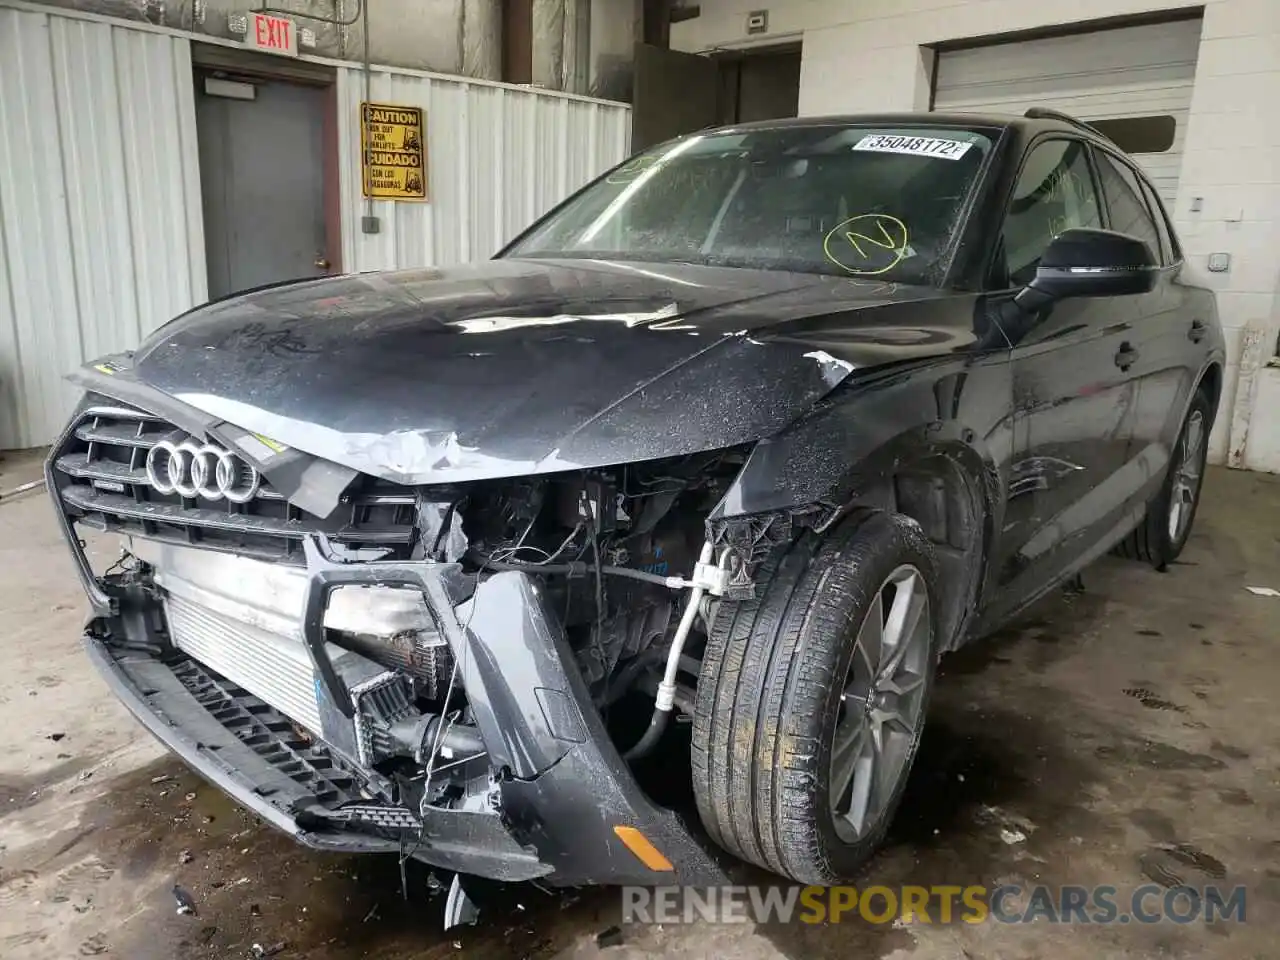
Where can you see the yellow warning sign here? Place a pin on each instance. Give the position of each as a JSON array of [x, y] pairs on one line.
[[393, 145]]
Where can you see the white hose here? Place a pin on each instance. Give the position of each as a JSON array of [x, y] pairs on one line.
[[666, 696]]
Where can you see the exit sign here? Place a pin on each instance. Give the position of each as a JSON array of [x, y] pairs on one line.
[[272, 34]]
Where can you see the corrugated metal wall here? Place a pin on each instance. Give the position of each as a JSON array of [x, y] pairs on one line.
[[101, 235], [100, 225], [498, 158]]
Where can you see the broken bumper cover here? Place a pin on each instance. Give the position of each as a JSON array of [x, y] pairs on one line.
[[246, 749], [563, 786]]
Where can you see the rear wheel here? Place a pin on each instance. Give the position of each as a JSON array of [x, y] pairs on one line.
[[812, 698], [1160, 537]]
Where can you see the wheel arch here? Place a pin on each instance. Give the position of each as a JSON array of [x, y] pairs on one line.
[[948, 490], [866, 453], [1211, 383]]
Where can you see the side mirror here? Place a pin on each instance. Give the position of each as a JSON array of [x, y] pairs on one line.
[[1083, 262]]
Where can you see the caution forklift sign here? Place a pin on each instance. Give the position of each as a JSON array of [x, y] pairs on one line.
[[393, 146]]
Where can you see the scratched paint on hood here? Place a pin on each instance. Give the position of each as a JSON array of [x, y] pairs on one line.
[[516, 367]]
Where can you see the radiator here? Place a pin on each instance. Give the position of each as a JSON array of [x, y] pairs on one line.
[[241, 617], [272, 667]]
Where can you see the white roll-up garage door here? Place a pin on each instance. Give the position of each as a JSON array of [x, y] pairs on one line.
[[1142, 71]]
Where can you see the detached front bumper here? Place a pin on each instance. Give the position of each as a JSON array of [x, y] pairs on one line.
[[562, 787]]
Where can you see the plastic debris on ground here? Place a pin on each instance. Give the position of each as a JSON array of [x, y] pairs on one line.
[[612, 937], [186, 904], [1011, 827]]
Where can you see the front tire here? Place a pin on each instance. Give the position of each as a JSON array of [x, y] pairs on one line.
[[811, 698], [1164, 531]]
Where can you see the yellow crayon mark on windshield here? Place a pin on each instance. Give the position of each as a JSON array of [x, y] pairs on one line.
[[860, 243], [886, 242]]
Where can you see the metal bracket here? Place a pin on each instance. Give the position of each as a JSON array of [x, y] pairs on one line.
[[713, 578], [329, 566], [458, 907]]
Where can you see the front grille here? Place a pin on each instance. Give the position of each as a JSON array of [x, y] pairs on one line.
[[102, 481]]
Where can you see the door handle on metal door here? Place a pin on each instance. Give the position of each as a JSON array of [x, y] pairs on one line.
[[1125, 356], [1198, 329]]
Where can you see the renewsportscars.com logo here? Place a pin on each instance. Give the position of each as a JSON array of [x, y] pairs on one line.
[[1008, 903]]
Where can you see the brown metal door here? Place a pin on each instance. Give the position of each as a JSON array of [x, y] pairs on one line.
[[675, 93], [262, 179]]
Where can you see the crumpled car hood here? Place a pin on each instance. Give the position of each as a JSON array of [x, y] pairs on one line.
[[517, 367]]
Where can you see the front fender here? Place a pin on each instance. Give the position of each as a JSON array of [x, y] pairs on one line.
[[886, 443], [852, 443]]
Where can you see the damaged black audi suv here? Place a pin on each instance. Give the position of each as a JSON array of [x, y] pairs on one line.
[[641, 541]]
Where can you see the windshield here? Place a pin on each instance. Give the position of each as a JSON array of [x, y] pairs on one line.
[[845, 200]]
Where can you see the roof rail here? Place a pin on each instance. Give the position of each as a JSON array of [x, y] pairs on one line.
[[1047, 113]]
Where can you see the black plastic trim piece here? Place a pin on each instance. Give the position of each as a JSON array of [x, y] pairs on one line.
[[99, 601], [114, 504], [155, 695], [558, 798], [564, 795], [244, 748]]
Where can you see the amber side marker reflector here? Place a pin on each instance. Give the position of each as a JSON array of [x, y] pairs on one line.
[[645, 851]]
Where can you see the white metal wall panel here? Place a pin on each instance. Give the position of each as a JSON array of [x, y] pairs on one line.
[[1146, 70], [101, 238], [100, 227], [498, 157]]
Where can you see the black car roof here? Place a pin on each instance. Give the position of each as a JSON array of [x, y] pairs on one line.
[[1026, 124]]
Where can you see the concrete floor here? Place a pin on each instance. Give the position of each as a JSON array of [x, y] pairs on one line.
[[18, 468], [1130, 729]]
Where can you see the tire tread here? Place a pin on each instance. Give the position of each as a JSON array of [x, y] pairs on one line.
[[1149, 541], [767, 667]]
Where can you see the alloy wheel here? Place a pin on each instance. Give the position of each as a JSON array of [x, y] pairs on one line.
[[1186, 477], [882, 704]]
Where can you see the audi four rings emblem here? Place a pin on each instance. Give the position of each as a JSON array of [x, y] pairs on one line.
[[195, 469]]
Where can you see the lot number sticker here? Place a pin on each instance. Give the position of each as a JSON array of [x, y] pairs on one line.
[[919, 146]]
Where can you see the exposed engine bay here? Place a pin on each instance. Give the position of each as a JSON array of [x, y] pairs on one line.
[[609, 548], [605, 541]]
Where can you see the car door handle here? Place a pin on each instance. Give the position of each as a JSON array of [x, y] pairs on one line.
[[1198, 329], [1125, 356]]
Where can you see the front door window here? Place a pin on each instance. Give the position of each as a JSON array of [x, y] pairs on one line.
[[1054, 193]]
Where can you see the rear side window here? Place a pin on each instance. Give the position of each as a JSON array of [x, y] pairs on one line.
[[1172, 253], [1126, 202]]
